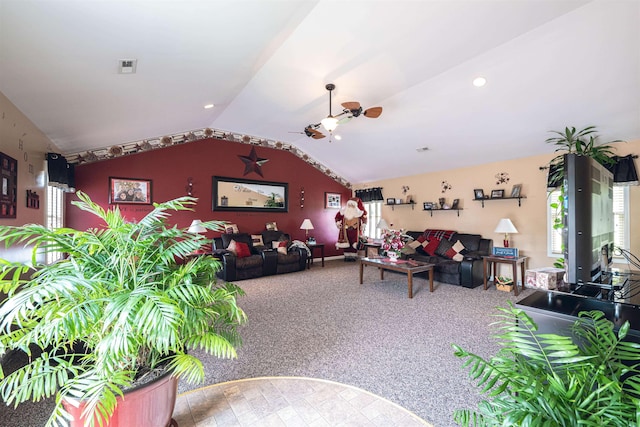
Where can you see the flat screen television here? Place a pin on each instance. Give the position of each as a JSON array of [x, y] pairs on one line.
[[588, 227]]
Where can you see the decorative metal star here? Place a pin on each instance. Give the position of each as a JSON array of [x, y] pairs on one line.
[[253, 163]]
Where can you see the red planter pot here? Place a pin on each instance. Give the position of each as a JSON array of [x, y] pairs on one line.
[[150, 405]]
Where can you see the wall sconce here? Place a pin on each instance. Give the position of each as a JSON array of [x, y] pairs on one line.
[[189, 186]]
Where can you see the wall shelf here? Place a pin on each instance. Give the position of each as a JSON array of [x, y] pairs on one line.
[[393, 205], [500, 198], [441, 210]]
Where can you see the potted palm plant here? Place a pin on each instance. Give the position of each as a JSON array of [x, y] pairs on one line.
[[591, 378], [127, 302]]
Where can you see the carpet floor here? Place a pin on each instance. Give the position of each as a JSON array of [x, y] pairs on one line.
[[321, 323]]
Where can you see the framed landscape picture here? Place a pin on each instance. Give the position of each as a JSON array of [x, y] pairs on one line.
[[130, 190]]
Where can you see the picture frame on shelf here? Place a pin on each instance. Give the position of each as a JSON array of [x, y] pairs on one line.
[[332, 200], [497, 194], [455, 203], [515, 191], [391, 201], [134, 191], [478, 194], [427, 206]]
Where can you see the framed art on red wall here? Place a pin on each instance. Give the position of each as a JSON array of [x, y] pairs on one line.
[[8, 186], [130, 190], [332, 200]]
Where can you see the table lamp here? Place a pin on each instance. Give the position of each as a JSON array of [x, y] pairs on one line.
[[196, 227], [506, 226], [306, 226], [382, 224]]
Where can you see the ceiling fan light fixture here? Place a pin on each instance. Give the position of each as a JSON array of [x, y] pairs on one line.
[[329, 123]]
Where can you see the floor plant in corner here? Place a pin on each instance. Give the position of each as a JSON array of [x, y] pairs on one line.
[[125, 302], [590, 377]]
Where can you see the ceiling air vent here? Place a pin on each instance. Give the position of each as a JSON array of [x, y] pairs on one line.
[[127, 66], [421, 149]]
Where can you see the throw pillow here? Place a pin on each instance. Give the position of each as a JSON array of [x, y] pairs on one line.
[[257, 240], [421, 242], [431, 246], [457, 251], [231, 229], [281, 246], [239, 249], [443, 247]]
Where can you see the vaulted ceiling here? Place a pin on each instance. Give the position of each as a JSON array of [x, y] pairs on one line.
[[265, 64]]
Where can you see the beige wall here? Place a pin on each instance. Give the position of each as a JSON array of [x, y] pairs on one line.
[[22, 140], [530, 219]]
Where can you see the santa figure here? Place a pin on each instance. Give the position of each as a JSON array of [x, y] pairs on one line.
[[349, 221]]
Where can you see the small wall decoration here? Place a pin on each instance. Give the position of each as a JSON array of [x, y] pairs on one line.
[[33, 200], [9, 189], [515, 191], [478, 194], [253, 163], [445, 186], [502, 178], [391, 201], [130, 190], [455, 203], [332, 200], [189, 187], [497, 194], [405, 188]]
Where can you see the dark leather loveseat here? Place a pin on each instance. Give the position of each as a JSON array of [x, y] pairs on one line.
[[262, 260], [457, 256]]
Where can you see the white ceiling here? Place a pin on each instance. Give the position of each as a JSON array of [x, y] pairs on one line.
[[265, 63]]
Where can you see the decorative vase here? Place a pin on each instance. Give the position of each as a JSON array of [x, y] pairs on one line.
[[393, 256]]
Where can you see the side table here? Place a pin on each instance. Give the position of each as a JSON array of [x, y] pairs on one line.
[[312, 248], [368, 247], [489, 261]]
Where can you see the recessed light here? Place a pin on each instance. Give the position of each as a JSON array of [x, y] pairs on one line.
[[209, 106], [479, 81]]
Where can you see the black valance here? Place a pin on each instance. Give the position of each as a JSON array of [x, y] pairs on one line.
[[370, 194], [61, 174], [624, 170]]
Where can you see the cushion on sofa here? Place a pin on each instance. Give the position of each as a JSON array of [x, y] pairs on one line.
[[470, 241], [238, 237], [281, 245], [438, 234], [457, 251], [431, 247], [443, 247], [239, 249]]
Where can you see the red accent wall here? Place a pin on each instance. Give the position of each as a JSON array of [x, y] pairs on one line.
[[169, 168]]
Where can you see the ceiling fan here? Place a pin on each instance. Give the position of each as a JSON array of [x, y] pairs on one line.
[[331, 122]]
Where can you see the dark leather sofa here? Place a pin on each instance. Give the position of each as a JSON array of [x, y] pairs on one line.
[[263, 259], [467, 272]]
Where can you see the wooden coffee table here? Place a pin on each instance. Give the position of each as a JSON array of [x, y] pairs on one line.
[[409, 267]]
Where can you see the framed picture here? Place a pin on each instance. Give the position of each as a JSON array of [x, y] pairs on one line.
[[455, 203], [332, 200], [130, 190], [9, 194], [236, 194], [427, 206], [515, 191], [478, 193], [391, 201], [497, 194], [271, 226]]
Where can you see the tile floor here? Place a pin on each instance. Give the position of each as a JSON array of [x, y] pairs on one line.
[[287, 401]]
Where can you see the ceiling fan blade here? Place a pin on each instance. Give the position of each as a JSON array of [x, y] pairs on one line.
[[373, 112], [317, 135], [351, 105]]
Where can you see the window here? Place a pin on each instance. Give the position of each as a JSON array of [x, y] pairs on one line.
[[374, 213], [55, 217], [620, 221]]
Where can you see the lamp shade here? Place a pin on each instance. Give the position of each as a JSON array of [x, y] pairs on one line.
[[505, 226], [329, 123], [306, 224], [382, 224], [196, 227]]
